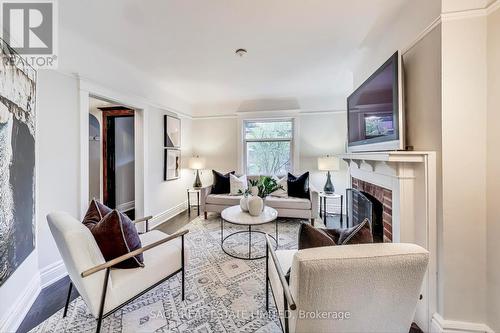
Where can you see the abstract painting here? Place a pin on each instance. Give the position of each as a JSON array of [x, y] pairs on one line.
[[172, 128], [172, 164], [17, 160]]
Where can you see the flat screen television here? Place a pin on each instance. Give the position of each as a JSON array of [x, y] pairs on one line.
[[375, 119]]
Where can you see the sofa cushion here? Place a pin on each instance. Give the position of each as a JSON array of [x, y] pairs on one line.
[[223, 199], [95, 213], [221, 182], [310, 237], [116, 235], [238, 184], [288, 203], [359, 234], [298, 186], [282, 191]]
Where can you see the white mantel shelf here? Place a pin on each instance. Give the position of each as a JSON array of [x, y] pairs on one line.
[[386, 156]]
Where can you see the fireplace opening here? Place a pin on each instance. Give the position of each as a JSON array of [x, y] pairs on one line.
[[361, 205]]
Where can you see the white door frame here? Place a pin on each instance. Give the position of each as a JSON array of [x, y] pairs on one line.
[[87, 90]]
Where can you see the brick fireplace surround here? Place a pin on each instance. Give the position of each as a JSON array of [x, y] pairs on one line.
[[385, 197]]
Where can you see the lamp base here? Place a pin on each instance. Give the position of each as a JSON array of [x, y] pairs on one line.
[[329, 188], [197, 180]]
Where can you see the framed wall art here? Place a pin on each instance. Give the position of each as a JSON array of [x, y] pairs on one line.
[[171, 164], [172, 132]]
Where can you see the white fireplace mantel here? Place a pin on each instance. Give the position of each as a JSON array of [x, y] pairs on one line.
[[411, 176], [386, 156]]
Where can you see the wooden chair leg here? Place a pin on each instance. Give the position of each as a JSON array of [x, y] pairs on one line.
[[67, 299], [206, 215]]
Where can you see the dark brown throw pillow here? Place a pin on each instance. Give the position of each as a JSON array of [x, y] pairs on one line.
[[359, 234], [116, 235], [95, 213], [221, 183], [298, 187], [310, 237]]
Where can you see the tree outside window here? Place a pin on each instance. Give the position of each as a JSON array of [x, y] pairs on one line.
[[268, 147]]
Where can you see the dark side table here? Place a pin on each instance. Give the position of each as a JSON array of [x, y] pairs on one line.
[[192, 191], [322, 203]]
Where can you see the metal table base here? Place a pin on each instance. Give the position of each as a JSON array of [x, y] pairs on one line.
[[250, 232]]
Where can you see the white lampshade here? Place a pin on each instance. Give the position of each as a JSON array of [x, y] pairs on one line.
[[328, 163], [197, 163]]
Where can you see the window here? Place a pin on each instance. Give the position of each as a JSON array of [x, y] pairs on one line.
[[268, 147]]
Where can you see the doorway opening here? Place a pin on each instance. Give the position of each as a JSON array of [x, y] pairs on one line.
[[112, 155]]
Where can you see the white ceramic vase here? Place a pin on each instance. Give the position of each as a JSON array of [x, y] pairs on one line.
[[244, 203], [254, 190], [255, 205]]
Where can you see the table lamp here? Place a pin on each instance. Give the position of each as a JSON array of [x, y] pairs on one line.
[[328, 163], [197, 163]]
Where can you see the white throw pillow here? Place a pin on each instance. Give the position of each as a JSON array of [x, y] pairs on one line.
[[281, 193], [237, 184]]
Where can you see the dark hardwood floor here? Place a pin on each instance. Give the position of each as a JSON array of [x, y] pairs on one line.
[[53, 297]]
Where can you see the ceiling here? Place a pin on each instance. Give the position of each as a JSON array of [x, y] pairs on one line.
[[296, 49]]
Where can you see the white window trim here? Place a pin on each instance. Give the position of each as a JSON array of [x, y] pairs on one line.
[[295, 149]]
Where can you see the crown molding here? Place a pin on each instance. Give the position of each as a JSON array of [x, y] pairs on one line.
[[270, 114], [471, 13], [493, 7], [423, 34]]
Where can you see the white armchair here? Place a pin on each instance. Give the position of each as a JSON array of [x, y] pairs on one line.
[[104, 289], [350, 288]]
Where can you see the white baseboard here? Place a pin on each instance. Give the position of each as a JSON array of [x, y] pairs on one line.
[[126, 206], [168, 214], [21, 306], [441, 325], [52, 273]]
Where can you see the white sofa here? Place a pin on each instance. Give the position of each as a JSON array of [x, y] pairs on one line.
[[373, 287], [287, 207]]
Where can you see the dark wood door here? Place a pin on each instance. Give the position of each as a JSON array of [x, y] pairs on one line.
[[109, 116]]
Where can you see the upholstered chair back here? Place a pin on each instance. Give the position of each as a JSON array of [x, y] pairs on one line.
[[356, 288], [79, 252]]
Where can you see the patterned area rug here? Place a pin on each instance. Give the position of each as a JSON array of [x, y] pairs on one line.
[[223, 294]]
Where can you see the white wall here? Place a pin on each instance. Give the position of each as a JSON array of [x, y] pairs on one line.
[[493, 177], [403, 28], [58, 147], [166, 197], [217, 140], [463, 269], [320, 135]]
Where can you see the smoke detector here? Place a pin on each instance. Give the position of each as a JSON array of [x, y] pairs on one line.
[[241, 52]]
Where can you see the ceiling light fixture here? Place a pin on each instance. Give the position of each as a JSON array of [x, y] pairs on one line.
[[241, 52]]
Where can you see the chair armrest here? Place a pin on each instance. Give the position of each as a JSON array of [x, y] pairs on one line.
[[314, 197], [109, 264], [144, 219], [204, 192], [284, 284]]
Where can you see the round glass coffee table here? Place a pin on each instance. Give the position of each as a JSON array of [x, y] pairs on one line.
[[235, 215]]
